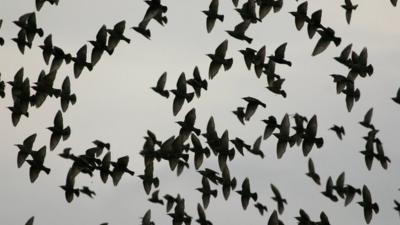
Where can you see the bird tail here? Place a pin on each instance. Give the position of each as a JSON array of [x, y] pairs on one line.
[[228, 64], [47, 171], [319, 142], [254, 196], [73, 99], [248, 39], [145, 32], [67, 133], [220, 17], [214, 193]]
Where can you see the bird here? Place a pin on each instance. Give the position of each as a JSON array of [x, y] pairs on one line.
[[279, 56], [283, 136], [240, 145], [21, 41], [309, 136], [304, 218], [120, 167], [327, 36], [323, 219], [300, 15], [160, 87], [240, 114], [58, 131], [181, 94], [252, 104], [187, 126], [146, 219], [99, 45], [212, 15], [246, 193], [25, 149], [344, 56], [367, 119], [397, 97], [155, 199], [314, 23], [44, 88], [352, 95], [30, 221], [218, 59], [261, 208], [202, 220], [85, 190], [59, 56], [206, 191], [272, 124], [274, 219], [239, 31], [367, 204], [66, 97], [311, 172], [256, 148], [199, 151], [39, 3], [278, 198], [80, 61], [350, 192], [36, 164], [47, 48], [248, 11], [259, 61], [197, 83], [228, 184], [27, 22], [265, 7], [116, 35], [380, 155], [149, 179], [349, 7], [249, 56], [329, 190]]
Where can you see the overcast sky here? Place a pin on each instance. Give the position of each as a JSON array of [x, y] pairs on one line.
[[115, 104]]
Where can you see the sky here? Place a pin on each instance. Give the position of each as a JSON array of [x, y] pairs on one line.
[[115, 104]]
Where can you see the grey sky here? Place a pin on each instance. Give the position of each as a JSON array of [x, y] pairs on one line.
[[115, 104]]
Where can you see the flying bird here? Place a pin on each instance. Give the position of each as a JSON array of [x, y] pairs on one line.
[[212, 15], [239, 31], [311, 172], [197, 82], [246, 194], [58, 131], [369, 206], [349, 7], [278, 198], [181, 94], [279, 56], [160, 87], [252, 104], [218, 59]]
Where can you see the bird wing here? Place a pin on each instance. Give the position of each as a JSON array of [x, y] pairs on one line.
[[221, 49], [161, 81], [280, 51]]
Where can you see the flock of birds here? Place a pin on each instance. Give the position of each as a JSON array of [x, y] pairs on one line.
[[177, 150]]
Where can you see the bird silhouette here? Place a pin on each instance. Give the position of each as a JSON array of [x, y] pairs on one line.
[[367, 119], [278, 198], [100, 45], [349, 7], [80, 61], [274, 219], [256, 148], [279, 56], [309, 136], [207, 192], [261, 208], [197, 82], [239, 31], [367, 204], [272, 124], [218, 59], [160, 87], [25, 149], [300, 15], [181, 94], [397, 206], [265, 7], [202, 220], [311, 172], [240, 145], [283, 136], [116, 35], [36, 164], [155, 199], [212, 15], [228, 184], [329, 190], [120, 167], [252, 104], [199, 151], [58, 131], [187, 126], [327, 36], [66, 97], [85, 190], [240, 114], [246, 193]]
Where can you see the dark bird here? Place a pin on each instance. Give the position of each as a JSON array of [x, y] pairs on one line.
[[309, 136], [349, 7], [279, 56], [340, 185], [352, 95], [187, 126], [274, 219], [66, 97], [344, 56], [155, 199], [369, 153], [212, 15], [223, 150], [367, 119], [36, 164], [39, 3], [160, 87], [314, 23], [59, 56], [261, 208], [58, 131], [300, 15], [211, 175], [202, 220], [283, 136], [323, 219], [397, 98], [170, 201], [350, 192], [85, 190], [339, 130], [197, 83], [304, 218], [105, 167], [116, 35], [21, 41], [267, 5], [181, 94], [149, 179], [327, 36], [252, 104], [311, 172], [142, 29], [329, 190], [146, 219], [120, 167], [397, 206], [228, 184], [256, 148], [207, 192], [272, 124], [359, 64], [278, 198], [218, 59], [246, 193], [380, 155], [27, 22], [240, 145], [80, 61], [341, 82], [44, 88], [249, 56], [47, 48], [25, 149], [369, 206], [180, 216], [30, 221], [248, 11], [240, 114], [259, 61], [99, 45], [276, 87], [199, 151], [240, 30]]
